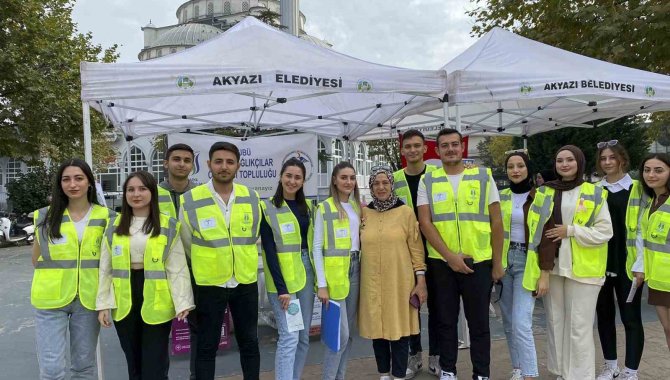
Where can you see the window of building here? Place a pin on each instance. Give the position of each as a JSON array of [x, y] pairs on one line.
[[210, 9], [110, 180], [157, 168], [323, 164], [196, 11], [137, 160], [173, 50], [338, 151], [159, 53], [245, 6], [226, 8], [360, 160], [13, 170]]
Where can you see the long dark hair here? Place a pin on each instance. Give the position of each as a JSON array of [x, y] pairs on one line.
[[59, 200], [153, 223], [278, 198], [663, 157]]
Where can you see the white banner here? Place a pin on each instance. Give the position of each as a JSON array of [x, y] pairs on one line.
[[261, 159]]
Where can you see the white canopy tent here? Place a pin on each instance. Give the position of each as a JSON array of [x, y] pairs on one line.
[[506, 84], [253, 76]]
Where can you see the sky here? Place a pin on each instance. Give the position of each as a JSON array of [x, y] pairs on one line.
[[417, 34]]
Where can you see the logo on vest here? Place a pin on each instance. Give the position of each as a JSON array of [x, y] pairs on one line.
[[117, 251], [341, 233], [439, 197], [287, 228], [208, 223]]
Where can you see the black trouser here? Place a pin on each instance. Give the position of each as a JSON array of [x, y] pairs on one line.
[[391, 356], [631, 317], [192, 325], [415, 340], [211, 304], [448, 287], [145, 346]]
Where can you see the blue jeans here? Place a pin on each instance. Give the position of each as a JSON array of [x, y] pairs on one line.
[[51, 329], [517, 306], [335, 363], [292, 347]]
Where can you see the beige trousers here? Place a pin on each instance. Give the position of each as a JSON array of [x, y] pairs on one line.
[[571, 309]]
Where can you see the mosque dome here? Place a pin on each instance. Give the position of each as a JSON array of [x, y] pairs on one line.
[[186, 35]]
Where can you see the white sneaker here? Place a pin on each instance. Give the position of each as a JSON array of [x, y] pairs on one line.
[[482, 378], [434, 365], [608, 373], [448, 376], [385, 377], [628, 376], [414, 365], [516, 374]]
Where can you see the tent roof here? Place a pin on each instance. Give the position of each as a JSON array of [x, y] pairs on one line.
[[537, 87], [254, 75]]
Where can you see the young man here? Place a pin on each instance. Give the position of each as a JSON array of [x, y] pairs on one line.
[[405, 186], [459, 214], [179, 164], [220, 227]]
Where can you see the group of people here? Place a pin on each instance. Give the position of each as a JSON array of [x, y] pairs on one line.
[[443, 235]]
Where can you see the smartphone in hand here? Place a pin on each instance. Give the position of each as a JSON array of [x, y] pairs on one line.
[[415, 302]]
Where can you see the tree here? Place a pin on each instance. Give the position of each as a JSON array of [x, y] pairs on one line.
[[387, 149], [271, 18], [29, 191], [492, 152], [40, 106]]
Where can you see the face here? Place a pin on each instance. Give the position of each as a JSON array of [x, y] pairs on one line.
[[656, 174], [74, 182], [566, 165], [292, 180], [413, 149], [609, 162], [180, 164], [345, 180], [224, 166], [381, 187], [137, 194], [516, 169], [539, 180], [450, 149]]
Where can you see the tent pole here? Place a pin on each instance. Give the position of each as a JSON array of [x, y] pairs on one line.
[[500, 117], [88, 147], [458, 118], [445, 108], [525, 142]]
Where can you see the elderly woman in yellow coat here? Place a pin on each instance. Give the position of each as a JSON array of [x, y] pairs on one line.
[[392, 274]]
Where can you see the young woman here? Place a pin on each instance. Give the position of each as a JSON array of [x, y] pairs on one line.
[[143, 279], [336, 230], [392, 256], [287, 235], [623, 196], [569, 226], [655, 236], [65, 283], [517, 303]]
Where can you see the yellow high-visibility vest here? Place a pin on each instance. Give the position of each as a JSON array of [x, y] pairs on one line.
[[401, 188]]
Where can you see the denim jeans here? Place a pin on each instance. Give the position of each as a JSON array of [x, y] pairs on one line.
[[335, 363], [292, 347], [516, 304], [51, 329]]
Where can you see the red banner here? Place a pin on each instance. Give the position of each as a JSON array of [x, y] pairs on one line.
[[431, 155]]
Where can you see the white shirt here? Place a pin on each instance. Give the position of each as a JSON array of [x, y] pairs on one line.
[[518, 223], [317, 247], [455, 180], [623, 184], [80, 226], [226, 209]]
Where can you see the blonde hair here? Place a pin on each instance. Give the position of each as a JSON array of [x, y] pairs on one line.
[[335, 195]]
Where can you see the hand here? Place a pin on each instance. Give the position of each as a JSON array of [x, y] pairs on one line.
[[457, 264], [322, 293], [543, 284], [639, 278], [497, 273], [182, 316], [421, 291], [558, 233], [104, 318], [284, 300]]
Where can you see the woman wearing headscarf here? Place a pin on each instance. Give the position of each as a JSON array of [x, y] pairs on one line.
[[569, 224], [391, 255]]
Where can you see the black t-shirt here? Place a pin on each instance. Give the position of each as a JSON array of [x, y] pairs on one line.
[[413, 184], [616, 255]]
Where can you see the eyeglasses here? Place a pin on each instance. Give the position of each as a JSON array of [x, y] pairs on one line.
[[604, 144], [381, 167]]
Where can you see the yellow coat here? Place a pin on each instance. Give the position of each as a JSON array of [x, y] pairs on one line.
[[391, 250]]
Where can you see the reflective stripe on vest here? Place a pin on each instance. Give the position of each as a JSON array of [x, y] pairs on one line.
[[656, 235], [157, 306], [66, 267], [336, 249], [506, 211], [218, 250], [463, 219], [401, 188], [637, 201], [288, 241], [165, 203]]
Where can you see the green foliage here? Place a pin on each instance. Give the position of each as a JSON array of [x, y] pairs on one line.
[[40, 106], [271, 18], [492, 152], [30, 191], [387, 149]]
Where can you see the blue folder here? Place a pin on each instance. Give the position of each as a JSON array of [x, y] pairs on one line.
[[330, 325]]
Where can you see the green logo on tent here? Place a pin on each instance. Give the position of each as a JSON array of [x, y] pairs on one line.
[[364, 85], [185, 82], [649, 91], [525, 89]]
